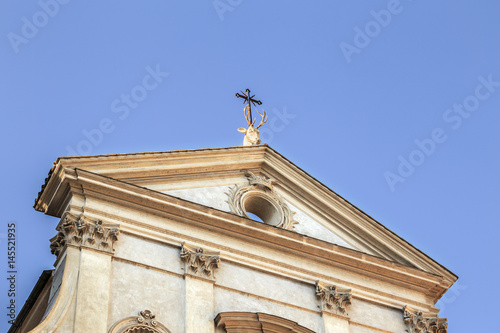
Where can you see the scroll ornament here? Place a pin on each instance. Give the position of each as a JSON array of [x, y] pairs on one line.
[[147, 318], [145, 322]]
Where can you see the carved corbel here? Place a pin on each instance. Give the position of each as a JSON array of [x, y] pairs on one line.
[[199, 262], [332, 298], [84, 232], [417, 323]]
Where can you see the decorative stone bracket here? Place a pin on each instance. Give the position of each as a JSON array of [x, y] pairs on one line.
[[84, 232], [333, 299], [199, 262], [417, 323], [259, 198]]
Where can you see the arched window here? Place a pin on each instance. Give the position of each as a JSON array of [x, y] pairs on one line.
[[242, 322], [144, 323]]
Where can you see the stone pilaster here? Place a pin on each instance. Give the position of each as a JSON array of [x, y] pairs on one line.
[[199, 277], [333, 304], [93, 292], [93, 242], [86, 246]]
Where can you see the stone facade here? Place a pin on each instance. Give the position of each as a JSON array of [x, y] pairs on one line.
[[164, 242]]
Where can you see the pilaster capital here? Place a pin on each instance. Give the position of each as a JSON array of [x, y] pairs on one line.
[[417, 323], [81, 231], [199, 262], [332, 298]]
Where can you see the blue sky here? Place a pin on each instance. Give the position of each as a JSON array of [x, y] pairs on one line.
[[392, 104]]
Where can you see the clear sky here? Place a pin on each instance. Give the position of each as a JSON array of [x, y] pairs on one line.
[[392, 104]]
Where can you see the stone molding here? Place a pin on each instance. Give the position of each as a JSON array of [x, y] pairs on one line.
[[417, 323], [143, 323], [199, 262], [332, 298], [243, 322], [260, 187], [206, 163], [84, 232]]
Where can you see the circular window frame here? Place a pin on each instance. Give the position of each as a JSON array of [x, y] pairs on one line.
[[260, 199], [263, 206]]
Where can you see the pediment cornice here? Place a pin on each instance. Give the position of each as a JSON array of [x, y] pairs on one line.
[[148, 169], [75, 183]]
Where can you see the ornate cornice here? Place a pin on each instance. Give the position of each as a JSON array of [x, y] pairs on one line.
[[262, 188], [417, 323], [199, 262], [84, 232], [333, 299]]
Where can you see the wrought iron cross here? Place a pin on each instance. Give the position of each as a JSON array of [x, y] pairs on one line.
[[249, 100]]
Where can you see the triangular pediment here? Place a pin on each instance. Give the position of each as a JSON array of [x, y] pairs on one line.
[[218, 197], [212, 178]]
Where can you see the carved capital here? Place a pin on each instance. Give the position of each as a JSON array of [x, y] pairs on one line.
[[84, 232], [417, 323], [199, 262], [333, 299]]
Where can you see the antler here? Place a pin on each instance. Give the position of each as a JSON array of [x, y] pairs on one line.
[[264, 119], [247, 116]]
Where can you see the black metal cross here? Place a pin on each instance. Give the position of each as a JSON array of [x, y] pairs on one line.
[[249, 100]]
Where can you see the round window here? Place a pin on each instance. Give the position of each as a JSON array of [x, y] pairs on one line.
[[258, 201], [261, 207]]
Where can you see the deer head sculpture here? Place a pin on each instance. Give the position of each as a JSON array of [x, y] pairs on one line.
[[252, 134]]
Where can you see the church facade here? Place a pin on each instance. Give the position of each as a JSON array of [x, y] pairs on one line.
[[235, 239]]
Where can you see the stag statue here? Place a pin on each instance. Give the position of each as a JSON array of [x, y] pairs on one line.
[[252, 134]]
